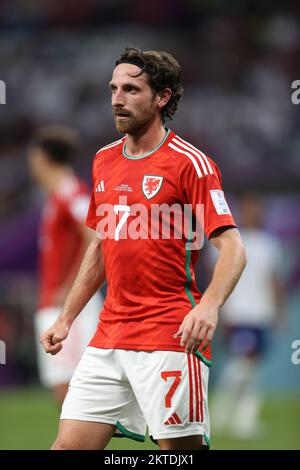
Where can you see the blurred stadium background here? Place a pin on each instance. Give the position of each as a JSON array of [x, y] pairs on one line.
[[239, 59]]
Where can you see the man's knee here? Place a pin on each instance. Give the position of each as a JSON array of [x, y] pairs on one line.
[[181, 443], [59, 445], [64, 444]]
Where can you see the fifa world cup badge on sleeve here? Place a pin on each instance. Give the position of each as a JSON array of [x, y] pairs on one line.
[[219, 201]]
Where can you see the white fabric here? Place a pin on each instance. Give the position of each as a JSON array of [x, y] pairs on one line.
[[252, 301], [79, 207], [58, 369], [236, 405], [126, 388]]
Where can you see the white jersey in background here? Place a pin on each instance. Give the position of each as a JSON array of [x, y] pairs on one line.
[[252, 301]]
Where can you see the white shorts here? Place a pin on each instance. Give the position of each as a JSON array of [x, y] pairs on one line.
[[58, 369], [164, 390]]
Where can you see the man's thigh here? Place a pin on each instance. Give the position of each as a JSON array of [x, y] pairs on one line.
[[99, 392], [83, 435], [171, 388]]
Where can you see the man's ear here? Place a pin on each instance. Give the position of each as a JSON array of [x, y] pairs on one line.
[[163, 97]]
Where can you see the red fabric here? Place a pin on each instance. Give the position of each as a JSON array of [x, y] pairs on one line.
[[148, 279], [60, 241]]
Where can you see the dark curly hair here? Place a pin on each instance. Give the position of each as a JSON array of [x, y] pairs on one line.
[[163, 72]]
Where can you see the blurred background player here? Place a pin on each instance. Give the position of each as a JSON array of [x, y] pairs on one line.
[[62, 243], [249, 315]]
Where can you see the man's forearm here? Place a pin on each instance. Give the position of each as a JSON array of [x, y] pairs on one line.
[[228, 269], [198, 326], [89, 279]]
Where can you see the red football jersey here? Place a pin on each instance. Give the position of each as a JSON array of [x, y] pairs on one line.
[[60, 239], [150, 277]]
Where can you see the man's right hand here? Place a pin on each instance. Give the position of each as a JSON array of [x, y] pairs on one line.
[[52, 338]]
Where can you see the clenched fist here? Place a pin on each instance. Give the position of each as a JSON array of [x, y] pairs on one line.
[[52, 338]]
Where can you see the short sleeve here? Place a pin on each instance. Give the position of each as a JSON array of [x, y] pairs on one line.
[[203, 191], [78, 208], [73, 200]]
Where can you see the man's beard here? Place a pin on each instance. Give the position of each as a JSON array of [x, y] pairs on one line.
[[135, 123]]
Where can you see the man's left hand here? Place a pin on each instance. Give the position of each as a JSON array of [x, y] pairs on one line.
[[198, 326]]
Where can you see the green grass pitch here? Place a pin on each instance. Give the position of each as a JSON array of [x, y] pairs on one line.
[[28, 420]]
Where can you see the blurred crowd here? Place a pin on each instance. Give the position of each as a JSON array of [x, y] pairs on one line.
[[56, 59], [237, 75]]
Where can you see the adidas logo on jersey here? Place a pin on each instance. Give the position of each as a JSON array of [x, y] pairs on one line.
[[100, 187], [174, 420]]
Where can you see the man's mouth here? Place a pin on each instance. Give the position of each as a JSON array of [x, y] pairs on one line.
[[121, 114]]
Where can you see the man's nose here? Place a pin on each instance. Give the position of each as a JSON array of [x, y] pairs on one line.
[[118, 98]]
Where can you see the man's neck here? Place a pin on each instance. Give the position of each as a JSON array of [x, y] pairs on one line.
[[146, 141]]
